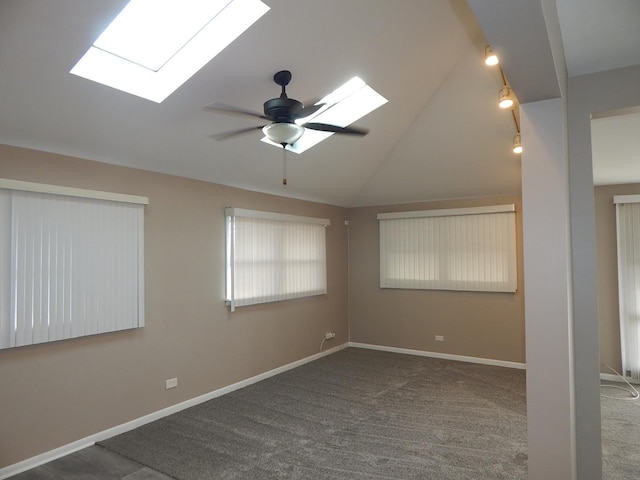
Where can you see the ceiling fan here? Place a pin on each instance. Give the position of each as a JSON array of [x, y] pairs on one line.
[[282, 112]]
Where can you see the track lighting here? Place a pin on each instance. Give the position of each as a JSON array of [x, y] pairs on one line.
[[490, 58], [517, 144], [505, 98]]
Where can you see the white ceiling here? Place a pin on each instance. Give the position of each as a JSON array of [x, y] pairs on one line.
[[599, 36], [440, 135]]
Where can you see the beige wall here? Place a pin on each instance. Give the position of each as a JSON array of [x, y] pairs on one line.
[[608, 319], [484, 325], [54, 394]]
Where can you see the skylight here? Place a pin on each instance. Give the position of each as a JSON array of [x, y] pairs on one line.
[[153, 46], [343, 106]]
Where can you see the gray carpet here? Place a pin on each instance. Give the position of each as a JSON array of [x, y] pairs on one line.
[[356, 414], [620, 434]]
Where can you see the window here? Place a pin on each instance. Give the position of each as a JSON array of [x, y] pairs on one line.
[[628, 235], [470, 249], [71, 263], [154, 46], [272, 257]]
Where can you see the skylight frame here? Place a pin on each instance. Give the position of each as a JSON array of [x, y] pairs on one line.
[[111, 70], [345, 105]]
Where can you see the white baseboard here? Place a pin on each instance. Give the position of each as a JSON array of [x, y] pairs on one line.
[[445, 356], [617, 378], [611, 378], [484, 361], [72, 447]]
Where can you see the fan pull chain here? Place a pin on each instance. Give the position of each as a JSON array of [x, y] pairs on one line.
[[284, 164]]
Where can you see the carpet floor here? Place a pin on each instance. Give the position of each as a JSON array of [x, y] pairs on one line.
[[356, 414], [620, 433]]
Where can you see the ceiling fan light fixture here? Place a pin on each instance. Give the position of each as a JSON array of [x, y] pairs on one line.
[[283, 133], [505, 99], [490, 58], [517, 144]]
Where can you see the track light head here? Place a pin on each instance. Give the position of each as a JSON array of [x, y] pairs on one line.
[[490, 58], [505, 99], [517, 144]]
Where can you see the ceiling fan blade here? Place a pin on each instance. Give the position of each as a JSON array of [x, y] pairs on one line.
[[325, 127], [308, 110], [233, 133], [228, 109]]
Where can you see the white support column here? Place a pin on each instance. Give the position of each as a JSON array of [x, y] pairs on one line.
[[548, 292]]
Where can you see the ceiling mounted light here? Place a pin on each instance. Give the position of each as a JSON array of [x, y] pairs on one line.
[[505, 99], [346, 104], [490, 58], [517, 144], [283, 133]]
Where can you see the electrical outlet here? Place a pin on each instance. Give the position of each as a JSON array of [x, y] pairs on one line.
[[171, 383], [439, 338], [329, 335]]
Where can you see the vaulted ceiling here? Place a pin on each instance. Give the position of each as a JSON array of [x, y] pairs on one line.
[[440, 135]]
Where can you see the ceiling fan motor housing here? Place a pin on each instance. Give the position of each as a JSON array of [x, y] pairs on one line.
[[282, 109]]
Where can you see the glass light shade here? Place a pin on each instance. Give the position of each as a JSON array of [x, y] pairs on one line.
[[283, 133], [505, 99], [517, 144]]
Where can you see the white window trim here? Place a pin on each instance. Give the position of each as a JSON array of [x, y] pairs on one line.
[[449, 212], [70, 191], [626, 199], [242, 212]]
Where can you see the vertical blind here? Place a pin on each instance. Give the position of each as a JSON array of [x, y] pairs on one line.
[[272, 257], [470, 249], [628, 239], [71, 266]]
